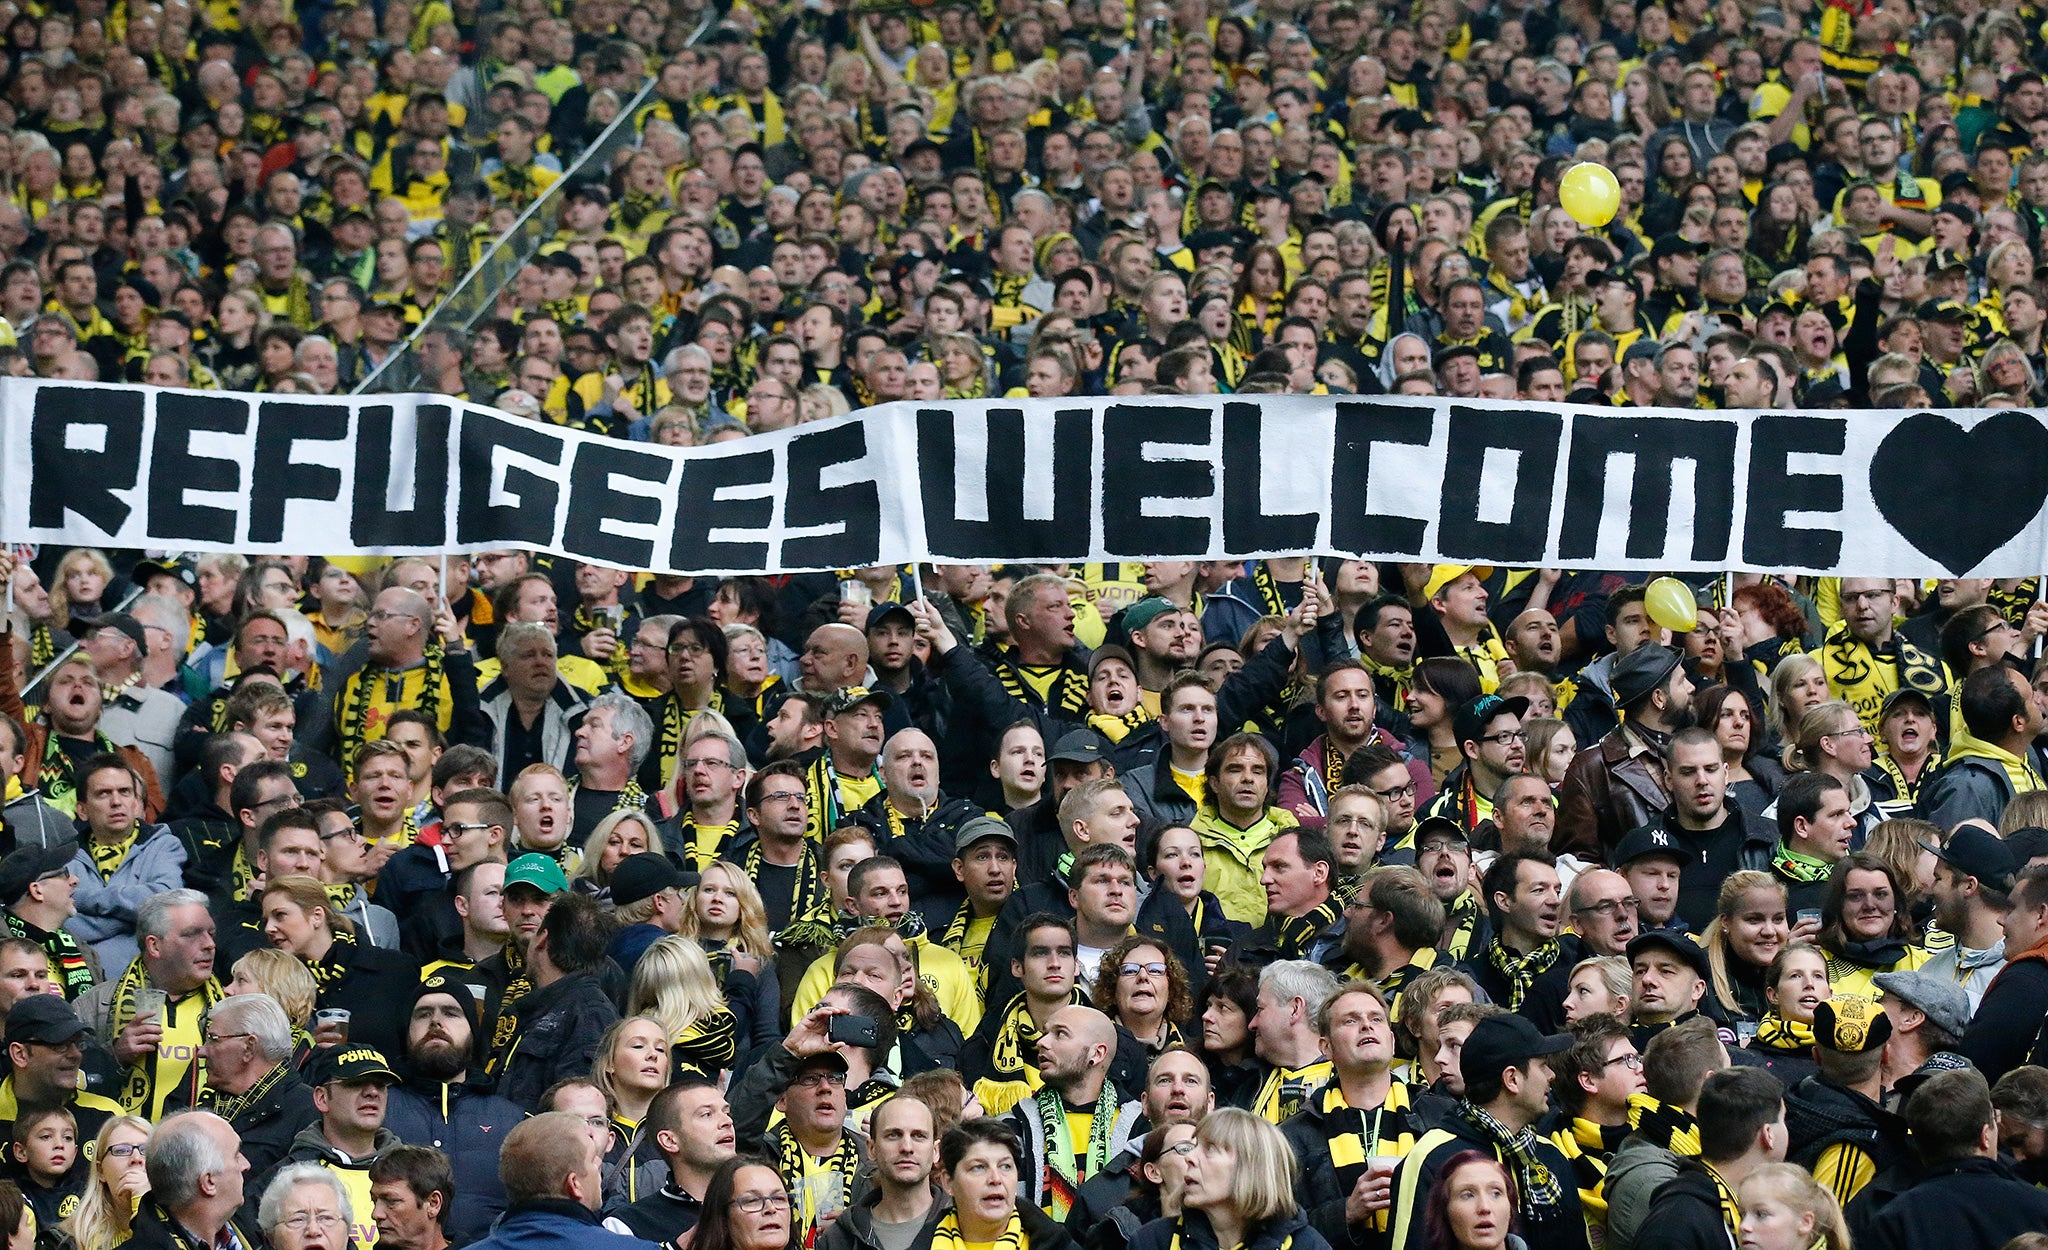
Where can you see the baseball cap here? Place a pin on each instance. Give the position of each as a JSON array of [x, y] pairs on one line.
[[183, 570], [1110, 651], [350, 1064], [536, 871], [113, 620], [883, 611], [1694, 955], [1851, 1024], [1451, 351], [1082, 746], [1941, 310], [1675, 245], [1435, 826], [46, 1019], [595, 192], [1904, 694], [1498, 1043], [1643, 842], [1640, 672], [1147, 610], [641, 877], [847, 698], [1975, 852], [1474, 715], [2027, 843], [1443, 575], [979, 828], [27, 865], [1945, 1004]]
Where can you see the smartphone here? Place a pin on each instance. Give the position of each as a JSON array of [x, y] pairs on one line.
[[853, 1030]]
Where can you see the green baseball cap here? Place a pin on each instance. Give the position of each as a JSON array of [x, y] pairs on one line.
[[538, 871]]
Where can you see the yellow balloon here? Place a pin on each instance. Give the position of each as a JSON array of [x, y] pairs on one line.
[[1590, 194], [1670, 604]]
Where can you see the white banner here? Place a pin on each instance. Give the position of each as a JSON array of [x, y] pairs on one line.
[[1872, 493]]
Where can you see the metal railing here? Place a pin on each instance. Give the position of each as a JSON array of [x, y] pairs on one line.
[[477, 293]]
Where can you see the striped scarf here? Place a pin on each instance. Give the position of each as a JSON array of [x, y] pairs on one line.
[[1787, 1037], [1400, 679], [1272, 600], [140, 1090], [67, 957], [1294, 935], [370, 698], [810, 905], [1517, 1149], [701, 846], [1354, 1135], [947, 1235], [1672, 1128], [1462, 918], [674, 719], [819, 1187], [1067, 695], [1521, 971], [1286, 1089], [707, 1047]]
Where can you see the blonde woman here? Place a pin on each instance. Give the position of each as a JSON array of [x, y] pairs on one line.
[[726, 917], [624, 832], [674, 985], [1599, 986], [632, 1066], [1743, 939], [83, 576], [118, 1183], [286, 980], [1785, 1208]]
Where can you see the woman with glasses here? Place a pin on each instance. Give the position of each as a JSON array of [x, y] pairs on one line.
[[1866, 926], [1238, 1192], [305, 1208], [1743, 941], [1144, 988], [120, 1178], [746, 1207], [1832, 740], [1157, 1187]]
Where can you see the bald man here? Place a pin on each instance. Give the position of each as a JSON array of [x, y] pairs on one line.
[[835, 656], [554, 1182], [915, 823], [1534, 642], [1074, 1056]]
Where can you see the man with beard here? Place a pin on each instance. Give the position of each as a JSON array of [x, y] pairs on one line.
[[797, 728], [1973, 878], [1347, 705], [1164, 639], [691, 1125], [1709, 835], [1074, 1057], [1535, 644], [1391, 928], [447, 1102], [1176, 1092], [842, 779], [916, 824], [1994, 761], [1616, 784]]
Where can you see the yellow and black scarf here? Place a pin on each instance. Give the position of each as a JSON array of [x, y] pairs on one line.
[[54, 777], [228, 1106], [139, 1093], [702, 846], [1271, 600], [109, 856], [1401, 679], [1673, 1128], [707, 1047], [1787, 1037], [947, 1235], [817, 1186], [1294, 935], [1858, 675], [1521, 971], [1463, 919], [810, 908], [1352, 1136], [1066, 695], [371, 697], [67, 957]]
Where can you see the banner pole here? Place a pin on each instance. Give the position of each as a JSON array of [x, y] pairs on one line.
[[916, 579], [2040, 595]]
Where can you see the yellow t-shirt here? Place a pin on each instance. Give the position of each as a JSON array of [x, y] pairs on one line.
[[855, 792], [1079, 1125], [1196, 784]]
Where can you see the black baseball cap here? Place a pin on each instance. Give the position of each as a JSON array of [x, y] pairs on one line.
[[1675, 245], [26, 865], [113, 620], [1431, 826], [1498, 1043], [46, 1019], [643, 876], [1474, 715], [883, 611], [1975, 852], [1904, 694], [347, 1064], [183, 570], [1694, 955], [1082, 746], [1643, 842]]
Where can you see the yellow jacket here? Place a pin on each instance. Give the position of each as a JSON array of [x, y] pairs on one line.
[[1237, 858], [943, 972]]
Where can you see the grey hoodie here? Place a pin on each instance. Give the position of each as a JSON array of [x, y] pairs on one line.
[[32, 821]]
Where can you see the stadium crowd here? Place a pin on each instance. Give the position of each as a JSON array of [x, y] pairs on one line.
[[1291, 905]]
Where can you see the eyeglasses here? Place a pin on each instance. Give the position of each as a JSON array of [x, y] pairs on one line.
[[306, 1220], [1182, 1147], [128, 1150], [382, 615], [754, 1204], [707, 763], [1505, 737], [1397, 793], [784, 796], [471, 827], [222, 1037], [1150, 970], [1631, 1061], [813, 1080], [1609, 908], [352, 833], [690, 649], [1853, 731], [286, 800]]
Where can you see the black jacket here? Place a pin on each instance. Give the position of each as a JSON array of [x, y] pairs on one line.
[[1686, 1213], [1742, 840], [855, 1227], [1562, 1227], [1195, 1234], [267, 1127], [376, 987], [156, 1229], [1544, 1003], [1820, 1114], [664, 1216], [1962, 1203], [926, 850], [555, 1034], [2006, 1031]]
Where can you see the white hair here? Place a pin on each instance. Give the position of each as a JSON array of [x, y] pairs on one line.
[[270, 1212]]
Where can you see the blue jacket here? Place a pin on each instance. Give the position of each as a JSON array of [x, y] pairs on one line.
[[106, 905], [556, 1224], [469, 1124]]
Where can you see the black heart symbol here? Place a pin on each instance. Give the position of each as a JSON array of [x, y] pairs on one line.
[[1958, 495]]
